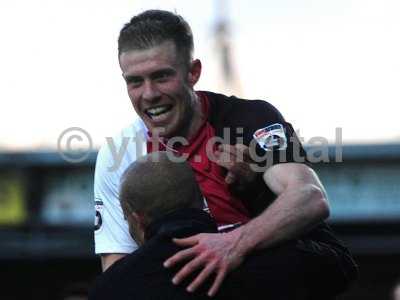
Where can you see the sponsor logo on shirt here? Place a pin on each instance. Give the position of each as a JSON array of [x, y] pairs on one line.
[[271, 138]]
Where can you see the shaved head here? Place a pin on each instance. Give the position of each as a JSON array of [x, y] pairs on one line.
[[155, 185]]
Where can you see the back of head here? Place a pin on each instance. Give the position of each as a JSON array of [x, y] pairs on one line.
[[153, 27], [155, 185]]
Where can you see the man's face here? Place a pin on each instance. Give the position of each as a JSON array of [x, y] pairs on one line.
[[160, 89]]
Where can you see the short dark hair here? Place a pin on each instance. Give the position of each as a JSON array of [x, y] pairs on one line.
[[153, 27], [156, 185]]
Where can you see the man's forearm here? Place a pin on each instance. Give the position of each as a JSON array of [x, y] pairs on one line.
[[300, 205], [295, 211]]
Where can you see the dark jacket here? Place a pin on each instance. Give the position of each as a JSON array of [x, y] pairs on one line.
[[269, 274]]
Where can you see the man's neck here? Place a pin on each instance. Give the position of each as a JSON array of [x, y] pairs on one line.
[[180, 221], [197, 119]]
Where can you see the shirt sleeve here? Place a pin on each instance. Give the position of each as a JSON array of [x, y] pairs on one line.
[[111, 233], [276, 141]]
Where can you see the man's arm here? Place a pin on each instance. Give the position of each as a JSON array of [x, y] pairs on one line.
[[111, 236], [300, 204], [108, 259]]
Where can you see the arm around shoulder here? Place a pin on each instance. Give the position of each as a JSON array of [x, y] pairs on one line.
[[298, 178], [300, 205]]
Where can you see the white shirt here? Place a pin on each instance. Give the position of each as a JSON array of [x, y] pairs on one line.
[[111, 229]]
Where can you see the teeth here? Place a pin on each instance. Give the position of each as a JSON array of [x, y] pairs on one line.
[[157, 110]]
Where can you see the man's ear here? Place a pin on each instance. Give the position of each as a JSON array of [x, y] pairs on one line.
[[194, 72], [137, 226], [139, 220]]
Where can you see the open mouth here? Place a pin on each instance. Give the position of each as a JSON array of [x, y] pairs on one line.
[[158, 111]]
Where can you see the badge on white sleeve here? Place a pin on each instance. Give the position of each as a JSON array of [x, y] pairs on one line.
[[98, 219], [271, 138]]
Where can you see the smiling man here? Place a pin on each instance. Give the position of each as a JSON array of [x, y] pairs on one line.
[[264, 209], [160, 91]]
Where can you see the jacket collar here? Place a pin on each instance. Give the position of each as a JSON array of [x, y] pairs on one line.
[[181, 223]]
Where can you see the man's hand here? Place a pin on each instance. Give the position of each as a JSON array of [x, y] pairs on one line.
[[236, 160], [216, 253]]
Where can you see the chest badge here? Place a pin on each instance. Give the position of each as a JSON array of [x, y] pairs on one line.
[[271, 138]]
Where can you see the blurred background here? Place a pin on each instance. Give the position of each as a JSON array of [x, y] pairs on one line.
[[331, 67]]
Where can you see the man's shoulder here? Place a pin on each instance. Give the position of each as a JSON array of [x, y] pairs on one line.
[[233, 106], [229, 114], [111, 282], [123, 148], [135, 131], [140, 274]]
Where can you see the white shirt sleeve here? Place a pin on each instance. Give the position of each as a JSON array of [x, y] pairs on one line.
[[111, 229]]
